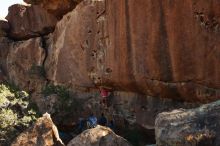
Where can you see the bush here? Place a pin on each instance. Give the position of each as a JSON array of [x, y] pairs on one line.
[[8, 119], [5, 91], [66, 103], [61, 91], [15, 113]]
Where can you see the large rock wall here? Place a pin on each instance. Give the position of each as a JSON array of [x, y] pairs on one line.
[[4, 49], [25, 64], [160, 48]]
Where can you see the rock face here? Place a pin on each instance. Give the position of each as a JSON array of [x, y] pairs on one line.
[[2, 76], [149, 49], [133, 107], [4, 49], [43, 133], [27, 22], [4, 28], [55, 7], [25, 64], [99, 136], [140, 109], [194, 127], [127, 109], [159, 48]]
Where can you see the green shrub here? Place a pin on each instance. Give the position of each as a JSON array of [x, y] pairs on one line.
[[66, 102], [61, 91], [16, 116], [3, 101], [10, 87], [5, 91], [8, 119]]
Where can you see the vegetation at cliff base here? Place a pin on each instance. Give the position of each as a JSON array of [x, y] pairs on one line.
[[15, 113], [61, 91], [66, 104]]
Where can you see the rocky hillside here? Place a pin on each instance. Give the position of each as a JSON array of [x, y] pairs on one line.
[[153, 55]]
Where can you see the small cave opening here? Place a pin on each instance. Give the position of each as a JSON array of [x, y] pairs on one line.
[[136, 134], [66, 132]]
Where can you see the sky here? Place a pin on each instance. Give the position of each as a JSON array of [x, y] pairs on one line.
[[4, 4]]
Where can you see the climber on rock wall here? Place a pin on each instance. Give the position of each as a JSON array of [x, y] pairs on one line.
[[104, 92]]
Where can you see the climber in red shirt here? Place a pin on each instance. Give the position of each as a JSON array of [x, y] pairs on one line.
[[104, 94]]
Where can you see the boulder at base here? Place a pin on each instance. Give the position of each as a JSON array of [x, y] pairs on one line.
[[43, 133], [99, 136], [194, 127]]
